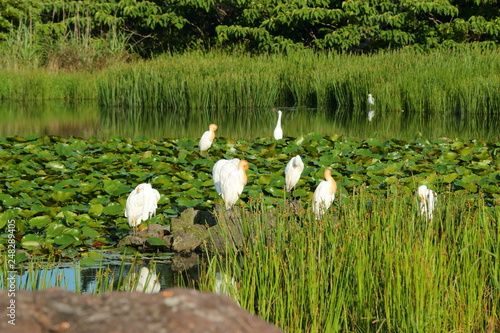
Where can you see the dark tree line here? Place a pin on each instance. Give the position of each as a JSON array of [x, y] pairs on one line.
[[151, 27]]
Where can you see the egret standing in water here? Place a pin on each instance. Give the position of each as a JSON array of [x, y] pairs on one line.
[[232, 182], [208, 137], [371, 100], [428, 199], [278, 132], [141, 204], [293, 171], [324, 194]]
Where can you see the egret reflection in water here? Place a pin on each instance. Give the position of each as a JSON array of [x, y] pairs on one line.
[[87, 119], [371, 114]]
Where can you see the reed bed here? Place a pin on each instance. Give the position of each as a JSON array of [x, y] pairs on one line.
[[372, 265], [464, 80], [41, 84]]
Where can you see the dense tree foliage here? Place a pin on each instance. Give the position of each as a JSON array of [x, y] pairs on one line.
[[155, 26]]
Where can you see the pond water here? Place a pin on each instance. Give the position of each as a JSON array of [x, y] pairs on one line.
[[86, 119], [110, 274]]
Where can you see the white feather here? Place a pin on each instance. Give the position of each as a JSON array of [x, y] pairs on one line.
[[221, 170], [324, 195], [278, 132], [207, 138], [371, 100], [293, 171], [428, 199], [141, 204]]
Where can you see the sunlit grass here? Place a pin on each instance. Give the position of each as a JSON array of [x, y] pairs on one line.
[[373, 264], [441, 82]]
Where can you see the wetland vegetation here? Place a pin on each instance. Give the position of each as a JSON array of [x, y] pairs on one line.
[[156, 76], [371, 263]]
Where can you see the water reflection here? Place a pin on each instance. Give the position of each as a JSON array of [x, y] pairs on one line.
[[86, 119], [72, 277]]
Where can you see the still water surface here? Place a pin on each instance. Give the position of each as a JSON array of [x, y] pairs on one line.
[[86, 119]]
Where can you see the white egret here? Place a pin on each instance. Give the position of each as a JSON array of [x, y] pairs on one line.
[[428, 199], [371, 100], [208, 137], [324, 194], [232, 184], [141, 204], [222, 169], [278, 132], [293, 171]]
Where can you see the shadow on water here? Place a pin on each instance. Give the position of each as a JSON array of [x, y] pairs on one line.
[[86, 119]]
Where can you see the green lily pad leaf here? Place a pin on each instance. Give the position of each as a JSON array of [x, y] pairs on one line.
[[39, 221], [162, 180], [96, 209], [451, 177], [465, 151], [184, 175], [57, 165], [187, 202], [300, 193], [27, 213], [449, 155], [21, 257], [90, 233], [31, 242], [156, 241], [187, 144], [264, 179], [391, 180], [113, 209], [75, 232], [9, 201], [116, 188], [55, 229], [88, 261], [471, 178], [6, 216], [85, 218], [431, 178], [64, 240], [195, 192], [61, 196], [64, 149], [79, 147], [274, 191]]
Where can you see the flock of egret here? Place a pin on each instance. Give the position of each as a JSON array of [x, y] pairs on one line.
[[229, 177]]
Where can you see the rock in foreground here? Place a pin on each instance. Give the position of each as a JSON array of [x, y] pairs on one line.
[[172, 310]]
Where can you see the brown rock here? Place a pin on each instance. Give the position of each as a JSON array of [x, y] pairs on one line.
[[172, 310]]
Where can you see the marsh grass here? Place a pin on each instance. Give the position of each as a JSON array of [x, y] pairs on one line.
[[372, 264], [441, 82]]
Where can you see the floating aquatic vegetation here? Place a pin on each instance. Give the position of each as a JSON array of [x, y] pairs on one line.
[[68, 195]]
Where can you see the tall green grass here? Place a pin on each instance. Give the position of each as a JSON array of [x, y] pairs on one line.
[[464, 80], [42, 84], [371, 265]]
